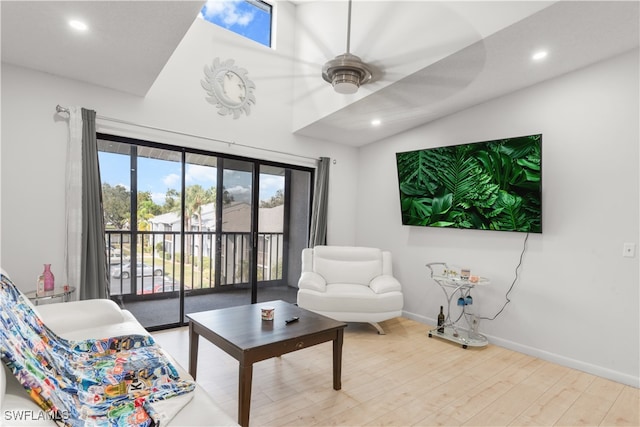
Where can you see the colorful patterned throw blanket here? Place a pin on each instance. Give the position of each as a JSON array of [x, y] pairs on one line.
[[119, 381]]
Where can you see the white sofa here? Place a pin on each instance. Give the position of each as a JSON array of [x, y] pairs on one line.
[[98, 318], [350, 284]]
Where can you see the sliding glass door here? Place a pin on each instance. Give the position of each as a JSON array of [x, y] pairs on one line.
[[198, 241], [283, 230], [141, 202], [203, 230]]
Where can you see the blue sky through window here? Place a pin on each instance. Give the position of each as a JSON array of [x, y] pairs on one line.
[[251, 19], [157, 176]]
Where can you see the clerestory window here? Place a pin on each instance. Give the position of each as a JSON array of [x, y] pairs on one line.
[[249, 18]]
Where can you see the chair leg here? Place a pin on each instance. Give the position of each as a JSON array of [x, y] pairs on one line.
[[378, 328]]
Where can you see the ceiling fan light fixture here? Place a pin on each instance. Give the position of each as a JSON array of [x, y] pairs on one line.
[[346, 73], [346, 82]]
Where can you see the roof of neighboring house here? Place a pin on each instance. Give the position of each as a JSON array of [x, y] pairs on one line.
[[169, 218], [236, 217], [271, 220]]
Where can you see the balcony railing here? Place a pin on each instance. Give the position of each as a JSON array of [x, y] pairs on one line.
[[211, 261]]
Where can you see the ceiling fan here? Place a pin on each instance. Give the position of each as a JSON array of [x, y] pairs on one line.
[[347, 72]]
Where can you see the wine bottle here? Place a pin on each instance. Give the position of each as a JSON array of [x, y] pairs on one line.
[[441, 321]]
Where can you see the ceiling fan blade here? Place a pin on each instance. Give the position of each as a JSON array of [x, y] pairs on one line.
[[307, 93], [271, 67], [314, 39], [441, 31], [436, 85]]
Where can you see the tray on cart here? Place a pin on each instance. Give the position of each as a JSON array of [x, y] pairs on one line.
[[460, 336]]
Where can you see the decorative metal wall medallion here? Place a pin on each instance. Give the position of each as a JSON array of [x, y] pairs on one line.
[[229, 88]]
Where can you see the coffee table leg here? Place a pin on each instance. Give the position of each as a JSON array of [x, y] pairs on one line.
[[337, 360], [244, 393], [193, 350]]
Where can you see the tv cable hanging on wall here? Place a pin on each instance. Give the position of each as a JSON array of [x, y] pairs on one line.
[[515, 279]]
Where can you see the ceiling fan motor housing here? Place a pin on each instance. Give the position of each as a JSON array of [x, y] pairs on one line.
[[346, 73]]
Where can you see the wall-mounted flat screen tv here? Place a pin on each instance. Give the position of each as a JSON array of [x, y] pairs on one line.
[[489, 185]]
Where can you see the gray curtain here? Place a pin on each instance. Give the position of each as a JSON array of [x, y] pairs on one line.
[[318, 234], [93, 272]]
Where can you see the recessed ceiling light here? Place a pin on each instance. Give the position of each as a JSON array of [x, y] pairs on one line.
[[375, 122], [78, 25], [540, 55]]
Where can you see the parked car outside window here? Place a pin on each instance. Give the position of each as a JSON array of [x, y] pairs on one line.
[[115, 255], [158, 286], [142, 269]]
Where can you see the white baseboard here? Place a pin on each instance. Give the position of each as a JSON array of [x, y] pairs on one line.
[[600, 371]]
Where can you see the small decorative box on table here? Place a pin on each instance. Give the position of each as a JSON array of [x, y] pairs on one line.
[[453, 284]]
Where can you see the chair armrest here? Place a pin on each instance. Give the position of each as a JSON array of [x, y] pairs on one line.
[[313, 281], [90, 313], [385, 283]]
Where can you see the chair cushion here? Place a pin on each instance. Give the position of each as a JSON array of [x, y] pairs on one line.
[[350, 298], [345, 264]]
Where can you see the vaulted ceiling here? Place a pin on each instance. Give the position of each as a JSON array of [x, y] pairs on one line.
[[471, 52], [486, 55]]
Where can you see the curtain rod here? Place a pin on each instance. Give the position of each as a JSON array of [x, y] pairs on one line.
[[61, 109]]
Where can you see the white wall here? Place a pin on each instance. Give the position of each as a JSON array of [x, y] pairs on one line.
[[33, 149], [576, 300]]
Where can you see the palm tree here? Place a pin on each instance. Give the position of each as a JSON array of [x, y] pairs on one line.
[[195, 198], [147, 209]]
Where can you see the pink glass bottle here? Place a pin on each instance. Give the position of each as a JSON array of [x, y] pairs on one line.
[[49, 279]]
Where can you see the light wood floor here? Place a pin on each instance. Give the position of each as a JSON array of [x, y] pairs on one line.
[[404, 378]]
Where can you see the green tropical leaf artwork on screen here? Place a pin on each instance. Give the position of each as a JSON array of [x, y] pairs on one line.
[[491, 185]]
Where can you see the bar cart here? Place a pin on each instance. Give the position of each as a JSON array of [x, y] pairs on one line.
[[453, 284]]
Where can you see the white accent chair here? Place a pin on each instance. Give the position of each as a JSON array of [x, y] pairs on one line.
[[350, 284]]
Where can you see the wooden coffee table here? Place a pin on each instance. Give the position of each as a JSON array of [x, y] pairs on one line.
[[241, 332]]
